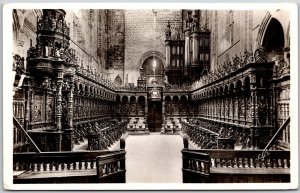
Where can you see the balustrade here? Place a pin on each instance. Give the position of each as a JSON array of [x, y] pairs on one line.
[[19, 110], [55, 161], [195, 166], [70, 167], [111, 167], [207, 165], [249, 159], [19, 113]]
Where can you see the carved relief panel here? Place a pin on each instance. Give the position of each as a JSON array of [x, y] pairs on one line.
[[38, 108], [50, 109]]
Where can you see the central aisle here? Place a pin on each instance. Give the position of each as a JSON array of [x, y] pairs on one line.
[[153, 158]]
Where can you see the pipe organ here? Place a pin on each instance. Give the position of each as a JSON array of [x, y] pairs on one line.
[[187, 59]]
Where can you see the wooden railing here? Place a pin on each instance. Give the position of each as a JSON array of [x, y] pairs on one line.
[[56, 161], [195, 166], [69, 167], [256, 159], [208, 165], [229, 163], [111, 167]]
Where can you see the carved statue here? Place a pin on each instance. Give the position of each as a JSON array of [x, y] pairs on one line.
[[46, 22], [262, 112], [260, 55], [60, 23], [53, 22], [133, 108], [57, 53], [46, 51], [39, 25]]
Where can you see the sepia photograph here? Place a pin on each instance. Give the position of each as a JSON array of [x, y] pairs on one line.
[[157, 96]]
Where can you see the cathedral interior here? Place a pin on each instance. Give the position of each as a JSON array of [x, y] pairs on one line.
[[88, 81]]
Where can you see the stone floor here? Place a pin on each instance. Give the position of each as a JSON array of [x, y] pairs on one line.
[[154, 158]]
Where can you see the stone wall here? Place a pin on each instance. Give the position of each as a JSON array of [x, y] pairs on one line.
[[141, 36], [115, 43], [236, 31], [24, 30], [83, 33]]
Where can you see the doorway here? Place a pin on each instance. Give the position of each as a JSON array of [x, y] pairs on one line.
[[154, 116]]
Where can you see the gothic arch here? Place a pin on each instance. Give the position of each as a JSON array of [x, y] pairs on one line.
[[271, 21], [273, 39], [157, 54], [274, 36], [263, 27], [36, 12]]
